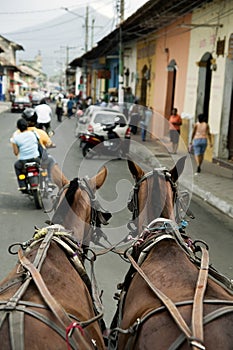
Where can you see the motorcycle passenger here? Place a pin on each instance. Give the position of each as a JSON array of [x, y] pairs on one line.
[[55, 175], [25, 146]]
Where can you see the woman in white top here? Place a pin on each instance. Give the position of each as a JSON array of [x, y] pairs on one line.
[[201, 132]]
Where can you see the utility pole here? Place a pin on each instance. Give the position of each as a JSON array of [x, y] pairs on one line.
[[68, 48], [92, 32], [121, 58], [86, 29], [86, 49]]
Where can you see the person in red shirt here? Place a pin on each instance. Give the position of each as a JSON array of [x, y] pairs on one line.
[[175, 122]]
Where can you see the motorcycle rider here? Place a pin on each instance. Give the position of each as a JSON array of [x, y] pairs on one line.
[[44, 115], [25, 146], [55, 174]]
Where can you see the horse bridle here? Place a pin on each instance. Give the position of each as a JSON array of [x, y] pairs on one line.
[[133, 203], [98, 214]]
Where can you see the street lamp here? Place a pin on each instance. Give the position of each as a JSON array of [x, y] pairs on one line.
[[86, 23], [86, 41]]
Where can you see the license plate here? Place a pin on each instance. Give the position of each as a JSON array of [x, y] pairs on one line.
[[107, 143], [30, 174]]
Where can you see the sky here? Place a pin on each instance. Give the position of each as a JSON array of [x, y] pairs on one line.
[[16, 15]]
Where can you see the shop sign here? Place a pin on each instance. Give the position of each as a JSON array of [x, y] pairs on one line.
[[104, 74]]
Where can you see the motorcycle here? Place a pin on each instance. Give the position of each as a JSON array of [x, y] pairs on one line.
[[93, 144], [36, 180]]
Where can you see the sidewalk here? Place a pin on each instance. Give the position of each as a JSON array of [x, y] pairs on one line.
[[214, 184], [4, 106]]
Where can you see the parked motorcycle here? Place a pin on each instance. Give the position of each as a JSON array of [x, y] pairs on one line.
[[36, 180], [93, 144]]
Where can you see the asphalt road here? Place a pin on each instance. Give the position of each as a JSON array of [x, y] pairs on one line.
[[18, 215]]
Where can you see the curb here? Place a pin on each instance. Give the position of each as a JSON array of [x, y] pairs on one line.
[[4, 106], [211, 199]]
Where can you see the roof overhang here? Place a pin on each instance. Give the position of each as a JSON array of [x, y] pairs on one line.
[[148, 19]]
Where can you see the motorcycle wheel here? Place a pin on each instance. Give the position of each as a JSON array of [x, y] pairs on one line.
[[87, 151], [37, 198]]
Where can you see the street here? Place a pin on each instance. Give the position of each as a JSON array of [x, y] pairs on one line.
[[18, 215]]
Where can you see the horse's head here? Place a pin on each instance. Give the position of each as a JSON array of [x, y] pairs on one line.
[[154, 192], [78, 209]]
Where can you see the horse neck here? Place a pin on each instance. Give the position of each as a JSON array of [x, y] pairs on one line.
[[155, 201], [78, 217], [74, 211], [58, 177], [167, 257]]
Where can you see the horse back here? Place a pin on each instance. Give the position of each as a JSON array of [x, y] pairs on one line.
[[171, 271]]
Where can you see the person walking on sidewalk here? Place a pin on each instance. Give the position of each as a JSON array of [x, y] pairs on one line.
[[145, 122], [70, 105], [59, 109], [200, 134], [175, 122]]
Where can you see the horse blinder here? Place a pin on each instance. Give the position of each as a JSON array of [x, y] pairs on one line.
[[104, 217]]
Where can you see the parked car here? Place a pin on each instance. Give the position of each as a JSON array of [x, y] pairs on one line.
[[96, 118], [20, 103]]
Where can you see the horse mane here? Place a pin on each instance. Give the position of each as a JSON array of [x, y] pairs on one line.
[[66, 202], [156, 204]]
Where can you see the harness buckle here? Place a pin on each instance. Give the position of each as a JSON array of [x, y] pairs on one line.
[[198, 344]]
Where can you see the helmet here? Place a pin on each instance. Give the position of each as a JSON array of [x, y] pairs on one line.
[[30, 116]]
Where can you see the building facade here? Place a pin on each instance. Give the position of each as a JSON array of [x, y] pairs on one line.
[[182, 58]]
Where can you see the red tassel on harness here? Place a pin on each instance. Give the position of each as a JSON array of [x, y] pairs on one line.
[[69, 331]]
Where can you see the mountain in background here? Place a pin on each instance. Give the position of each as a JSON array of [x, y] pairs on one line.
[[62, 39]]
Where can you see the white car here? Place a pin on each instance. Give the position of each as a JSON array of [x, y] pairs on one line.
[[95, 118]]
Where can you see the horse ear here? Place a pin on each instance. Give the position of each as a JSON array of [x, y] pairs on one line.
[[135, 170], [97, 181], [178, 169]]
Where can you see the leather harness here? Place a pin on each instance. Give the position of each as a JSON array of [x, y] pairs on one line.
[[14, 309], [167, 229]]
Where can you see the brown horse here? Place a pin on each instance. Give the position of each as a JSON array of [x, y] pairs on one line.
[[46, 301], [170, 298]]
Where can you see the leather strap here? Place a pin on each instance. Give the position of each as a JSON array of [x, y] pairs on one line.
[[55, 307], [165, 300], [197, 313], [192, 335], [16, 325]]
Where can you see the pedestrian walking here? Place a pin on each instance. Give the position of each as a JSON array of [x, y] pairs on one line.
[[199, 140], [134, 114], [70, 105], [59, 109], [175, 122], [145, 122]]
